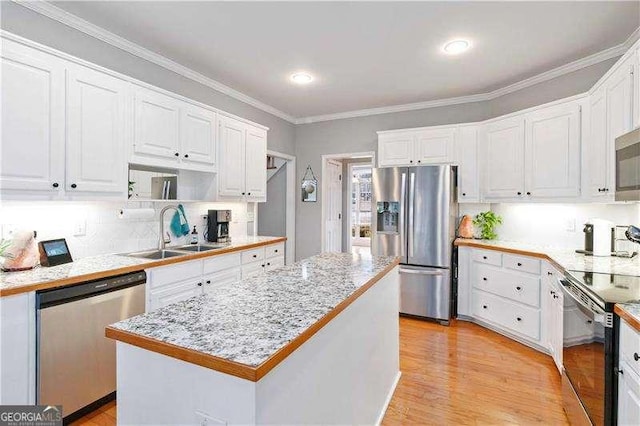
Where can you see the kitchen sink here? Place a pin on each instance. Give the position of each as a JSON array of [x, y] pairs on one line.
[[157, 254], [200, 247]]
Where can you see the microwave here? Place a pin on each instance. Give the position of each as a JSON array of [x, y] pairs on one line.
[[628, 166]]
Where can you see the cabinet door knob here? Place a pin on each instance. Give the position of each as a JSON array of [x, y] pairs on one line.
[[555, 297], [484, 278], [275, 251], [410, 161], [518, 288], [268, 264], [464, 194], [177, 154], [519, 264], [248, 193], [519, 193], [419, 161], [74, 186], [484, 257], [636, 356], [55, 184], [528, 193], [549, 273], [262, 265], [484, 306], [243, 193], [208, 281], [255, 255], [519, 319], [186, 156], [199, 284]]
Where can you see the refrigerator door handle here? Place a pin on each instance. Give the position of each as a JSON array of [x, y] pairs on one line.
[[421, 271], [412, 187], [403, 232]]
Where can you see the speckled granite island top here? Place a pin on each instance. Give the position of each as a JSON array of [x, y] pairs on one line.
[[247, 328], [92, 268]]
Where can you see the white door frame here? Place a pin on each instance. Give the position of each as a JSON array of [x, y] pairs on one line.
[[290, 208], [323, 185], [350, 167]]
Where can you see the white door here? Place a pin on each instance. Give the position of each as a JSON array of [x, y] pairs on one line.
[[231, 145], [333, 207], [96, 132], [33, 127], [395, 150], [504, 159], [628, 397], [552, 152], [256, 164], [467, 160], [599, 149], [434, 146], [156, 122], [198, 140]]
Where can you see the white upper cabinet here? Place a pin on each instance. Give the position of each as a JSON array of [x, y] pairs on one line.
[[467, 160], [232, 143], [96, 105], [552, 152], [256, 163], [599, 150], [243, 173], [199, 133], [156, 121], [504, 158], [434, 146], [33, 127], [416, 147], [395, 149]]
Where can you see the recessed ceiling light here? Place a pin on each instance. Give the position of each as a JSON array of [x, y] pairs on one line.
[[301, 78], [455, 47]]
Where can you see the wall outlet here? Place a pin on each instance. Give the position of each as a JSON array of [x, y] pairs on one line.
[[80, 228]]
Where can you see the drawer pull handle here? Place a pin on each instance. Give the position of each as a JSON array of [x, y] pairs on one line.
[[549, 273], [519, 319], [208, 281], [636, 356], [555, 297], [255, 255], [484, 306], [519, 264], [484, 278], [518, 288], [484, 257]]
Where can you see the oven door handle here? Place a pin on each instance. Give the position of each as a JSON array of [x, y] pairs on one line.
[[596, 316]]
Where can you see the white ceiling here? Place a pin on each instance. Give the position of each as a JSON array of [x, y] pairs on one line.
[[365, 54]]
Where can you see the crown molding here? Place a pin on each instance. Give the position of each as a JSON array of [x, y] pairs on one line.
[[53, 12]]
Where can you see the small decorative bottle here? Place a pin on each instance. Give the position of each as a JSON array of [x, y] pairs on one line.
[[194, 236]]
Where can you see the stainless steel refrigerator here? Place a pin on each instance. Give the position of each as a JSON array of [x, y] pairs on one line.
[[415, 217]]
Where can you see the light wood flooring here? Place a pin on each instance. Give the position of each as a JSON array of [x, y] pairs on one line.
[[461, 374]]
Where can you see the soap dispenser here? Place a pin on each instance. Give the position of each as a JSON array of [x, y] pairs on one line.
[[194, 236]]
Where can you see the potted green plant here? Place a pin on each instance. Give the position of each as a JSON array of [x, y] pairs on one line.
[[486, 223]]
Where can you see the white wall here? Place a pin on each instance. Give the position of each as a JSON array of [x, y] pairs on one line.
[[548, 224], [272, 217], [105, 232]]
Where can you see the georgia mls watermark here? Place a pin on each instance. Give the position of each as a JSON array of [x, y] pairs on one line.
[[30, 415]]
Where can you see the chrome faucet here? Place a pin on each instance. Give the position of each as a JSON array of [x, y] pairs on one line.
[[161, 240]]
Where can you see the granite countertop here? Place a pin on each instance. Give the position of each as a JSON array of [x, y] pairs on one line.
[[248, 322], [97, 267], [569, 260]]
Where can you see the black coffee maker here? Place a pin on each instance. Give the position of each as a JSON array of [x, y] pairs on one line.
[[218, 226]]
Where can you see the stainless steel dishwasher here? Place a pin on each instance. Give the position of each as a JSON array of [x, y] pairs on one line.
[[76, 362]]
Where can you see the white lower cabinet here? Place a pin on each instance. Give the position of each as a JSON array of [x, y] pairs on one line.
[[18, 349], [509, 294], [180, 281], [553, 309], [629, 376]]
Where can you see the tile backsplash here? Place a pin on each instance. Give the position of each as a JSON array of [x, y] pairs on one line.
[[103, 231], [556, 225]]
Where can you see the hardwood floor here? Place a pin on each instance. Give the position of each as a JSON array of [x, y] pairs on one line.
[[461, 374]]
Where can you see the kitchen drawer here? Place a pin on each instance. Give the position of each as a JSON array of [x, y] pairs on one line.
[[274, 263], [522, 263], [274, 250], [250, 269], [176, 272], [174, 293], [506, 314], [505, 283], [253, 255], [488, 256], [221, 279], [630, 346], [220, 263]]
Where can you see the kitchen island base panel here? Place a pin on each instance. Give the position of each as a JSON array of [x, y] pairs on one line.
[[344, 374]]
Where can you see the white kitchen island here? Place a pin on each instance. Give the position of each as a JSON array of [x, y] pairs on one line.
[[314, 342]]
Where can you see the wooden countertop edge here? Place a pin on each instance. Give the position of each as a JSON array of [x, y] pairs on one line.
[[476, 244], [630, 319], [233, 368], [62, 282]]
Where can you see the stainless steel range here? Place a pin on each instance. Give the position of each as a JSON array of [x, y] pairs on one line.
[[590, 349]]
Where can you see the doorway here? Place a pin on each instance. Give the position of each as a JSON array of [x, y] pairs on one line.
[[342, 211], [276, 217]]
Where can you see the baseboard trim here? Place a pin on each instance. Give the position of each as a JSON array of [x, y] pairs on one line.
[[388, 400]]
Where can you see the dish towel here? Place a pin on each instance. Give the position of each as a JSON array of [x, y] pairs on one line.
[[179, 224]]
